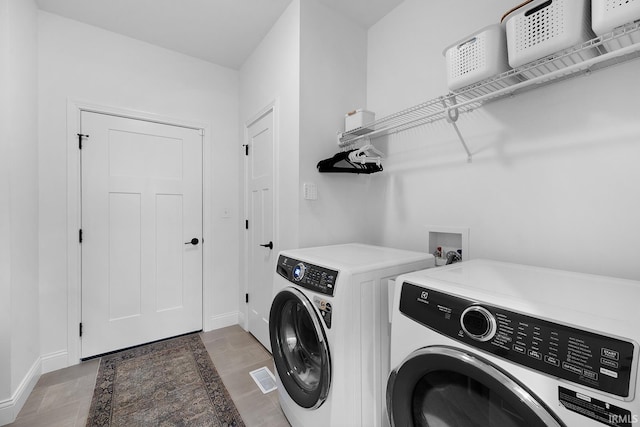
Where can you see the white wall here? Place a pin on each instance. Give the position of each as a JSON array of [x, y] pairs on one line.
[[19, 351], [554, 178], [333, 54], [312, 64], [271, 74], [5, 210], [81, 62]]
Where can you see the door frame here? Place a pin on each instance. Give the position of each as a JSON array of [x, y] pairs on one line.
[[272, 107], [74, 206]]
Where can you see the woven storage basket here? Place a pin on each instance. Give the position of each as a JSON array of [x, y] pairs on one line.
[[608, 15], [539, 29]]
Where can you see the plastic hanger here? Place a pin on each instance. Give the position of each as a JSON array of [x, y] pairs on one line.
[[342, 162], [366, 154]]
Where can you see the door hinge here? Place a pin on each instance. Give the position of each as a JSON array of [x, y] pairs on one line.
[[80, 136], [246, 298], [246, 149], [80, 235], [80, 328], [246, 224]]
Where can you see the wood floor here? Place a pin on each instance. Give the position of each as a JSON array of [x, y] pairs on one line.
[[62, 398]]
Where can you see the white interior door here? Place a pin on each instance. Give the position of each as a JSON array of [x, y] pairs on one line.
[[141, 208], [261, 263]]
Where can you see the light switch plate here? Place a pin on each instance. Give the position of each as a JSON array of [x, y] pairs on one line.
[[310, 191]]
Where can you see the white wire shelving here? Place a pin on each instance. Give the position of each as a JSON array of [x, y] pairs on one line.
[[603, 51]]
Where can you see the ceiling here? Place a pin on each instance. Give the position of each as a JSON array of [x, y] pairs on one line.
[[224, 32]]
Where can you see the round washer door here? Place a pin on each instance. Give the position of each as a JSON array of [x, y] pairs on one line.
[[300, 350], [446, 386]]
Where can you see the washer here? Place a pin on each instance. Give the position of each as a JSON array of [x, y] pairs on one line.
[[329, 331], [484, 343]]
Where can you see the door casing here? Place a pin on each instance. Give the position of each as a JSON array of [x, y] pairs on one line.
[[273, 108], [74, 109]]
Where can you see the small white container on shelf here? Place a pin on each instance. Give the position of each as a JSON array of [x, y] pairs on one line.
[[477, 57], [539, 29], [356, 120], [608, 15]]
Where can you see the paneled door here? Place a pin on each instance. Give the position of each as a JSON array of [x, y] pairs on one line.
[[141, 237], [261, 252]]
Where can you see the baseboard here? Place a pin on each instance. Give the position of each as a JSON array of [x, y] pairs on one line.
[[241, 320], [6, 412], [9, 408], [221, 321], [54, 361]]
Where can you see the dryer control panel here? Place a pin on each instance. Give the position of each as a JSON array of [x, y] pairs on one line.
[[309, 276], [593, 360]]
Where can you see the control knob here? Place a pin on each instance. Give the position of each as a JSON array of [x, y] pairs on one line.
[[478, 323], [298, 271]]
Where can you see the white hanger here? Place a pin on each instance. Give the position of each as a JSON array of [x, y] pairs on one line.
[[366, 154]]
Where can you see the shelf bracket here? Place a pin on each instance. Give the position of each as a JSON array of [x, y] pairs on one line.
[[452, 117]]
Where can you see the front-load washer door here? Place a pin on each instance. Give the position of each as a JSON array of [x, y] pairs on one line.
[[448, 387], [300, 350]]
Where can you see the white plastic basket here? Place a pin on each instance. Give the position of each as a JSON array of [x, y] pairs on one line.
[[611, 14], [541, 28], [477, 57], [356, 120]]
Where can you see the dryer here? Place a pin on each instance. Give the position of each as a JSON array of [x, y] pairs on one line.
[[484, 343], [329, 331]]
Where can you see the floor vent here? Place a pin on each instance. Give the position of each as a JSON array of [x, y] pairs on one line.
[[264, 379]]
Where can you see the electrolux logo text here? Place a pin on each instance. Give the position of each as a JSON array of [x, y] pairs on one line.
[[423, 298], [615, 419]]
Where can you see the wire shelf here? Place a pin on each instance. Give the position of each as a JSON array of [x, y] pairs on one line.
[[589, 56]]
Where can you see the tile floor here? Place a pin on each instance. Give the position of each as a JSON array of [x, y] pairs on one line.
[[62, 398]]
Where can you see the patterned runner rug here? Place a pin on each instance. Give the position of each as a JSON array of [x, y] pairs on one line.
[[167, 383]]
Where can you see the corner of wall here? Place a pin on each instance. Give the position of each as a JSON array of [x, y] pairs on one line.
[[332, 82], [9, 408], [5, 210], [19, 357]]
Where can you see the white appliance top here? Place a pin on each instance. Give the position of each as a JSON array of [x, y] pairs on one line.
[[356, 257], [534, 288]]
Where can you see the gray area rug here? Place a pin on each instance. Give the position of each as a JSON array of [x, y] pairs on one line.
[[167, 383]]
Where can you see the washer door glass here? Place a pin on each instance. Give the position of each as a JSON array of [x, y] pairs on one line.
[[448, 387], [300, 350]]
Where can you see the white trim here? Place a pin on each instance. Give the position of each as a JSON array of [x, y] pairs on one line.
[[74, 300], [73, 224], [222, 320], [54, 361], [10, 408], [207, 224], [138, 115], [272, 107], [242, 321]]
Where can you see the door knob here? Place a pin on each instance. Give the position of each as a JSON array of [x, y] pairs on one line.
[[193, 242], [268, 245]]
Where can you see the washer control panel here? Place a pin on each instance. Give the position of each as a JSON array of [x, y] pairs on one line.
[[593, 360], [309, 276]]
